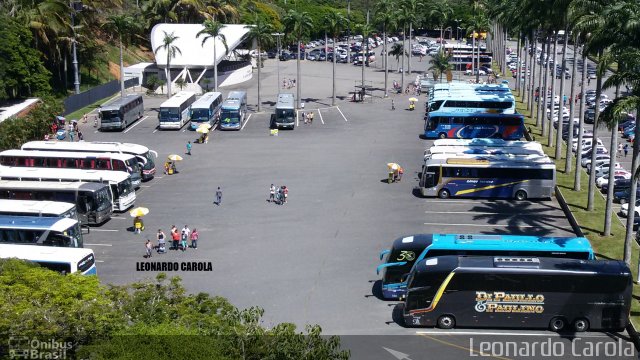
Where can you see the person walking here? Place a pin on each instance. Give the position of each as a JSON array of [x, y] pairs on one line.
[[620, 148], [80, 136], [285, 193], [310, 117], [148, 247], [175, 237], [194, 238], [218, 196], [272, 193], [161, 242], [626, 149], [188, 147]]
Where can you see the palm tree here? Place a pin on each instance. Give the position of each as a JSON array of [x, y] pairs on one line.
[[121, 25], [213, 30], [440, 65], [298, 23], [397, 50], [171, 50], [442, 11], [335, 23], [410, 9], [385, 17], [365, 29], [260, 32]]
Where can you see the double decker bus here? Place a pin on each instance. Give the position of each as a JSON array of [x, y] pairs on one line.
[[493, 178], [62, 260], [36, 230], [142, 153], [122, 193], [174, 113], [459, 125], [530, 149], [518, 292], [285, 114], [408, 250], [92, 200], [206, 110], [38, 208], [446, 90], [74, 160], [234, 111], [121, 112], [469, 101]]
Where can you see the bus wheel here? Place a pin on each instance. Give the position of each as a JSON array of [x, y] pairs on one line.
[[581, 325], [557, 324], [446, 322], [442, 135], [444, 194], [521, 195]]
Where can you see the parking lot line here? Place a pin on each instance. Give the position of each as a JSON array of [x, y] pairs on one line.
[[321, 119], [484, 225], [246, 121], [92, 229], [98, 244], [154, 131], [499, 333], [344, 117], [136, 124], [478, 213]]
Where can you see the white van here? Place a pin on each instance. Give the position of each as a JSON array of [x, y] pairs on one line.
[[586, 143]]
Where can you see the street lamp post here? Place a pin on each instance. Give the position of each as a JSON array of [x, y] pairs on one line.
[[348, 31], [76, 6], [278, 36], [457, 21]]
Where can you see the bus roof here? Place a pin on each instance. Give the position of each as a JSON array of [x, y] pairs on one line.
[[178, 99], [472, 95], [50, 185], [483, 142], [35, 222], [285, 101], [473, 114], [205, 100], [485, 150], [495, 162], [119, 101], [469, 158], [493, 242], [42, 253], [93, 146], [67, 154], [231, 104], [32, 206], [520, 264], [8, 173], [469, 86], [238, 95]]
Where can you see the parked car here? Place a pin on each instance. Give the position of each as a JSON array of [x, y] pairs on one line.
[[272, 53], [624, 209], [605, 179], [285, 55], [623, 196], [469, 72], [618, 185]]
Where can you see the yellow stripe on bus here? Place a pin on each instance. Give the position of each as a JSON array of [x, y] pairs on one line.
[[468, 191], [436, 298]]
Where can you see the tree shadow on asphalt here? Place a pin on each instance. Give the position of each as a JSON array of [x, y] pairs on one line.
[[270, 103], [518, 215]]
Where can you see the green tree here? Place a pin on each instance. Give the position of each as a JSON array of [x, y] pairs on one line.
[[397, 51], [440, 65], [385, 17], [121, 26], [335, 23], [298, 23], [213, 30], [260, 32], [171, 50]]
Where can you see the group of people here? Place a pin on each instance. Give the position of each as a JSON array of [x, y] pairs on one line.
[[623, 149], [71, 129], [307, 117], [288, 83], [278, 194], [179, 240]]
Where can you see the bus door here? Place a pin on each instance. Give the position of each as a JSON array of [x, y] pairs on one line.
[[431, 177]]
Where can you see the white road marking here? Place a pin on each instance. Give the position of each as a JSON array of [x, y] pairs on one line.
[[154, 131], [344, 117], [99, 261], [297, 123], [136, 124], [92, 229], [118, 218], [214, 126], [320, 114], [145, 186], [158, 177], [476, 212], [246, 121], [185, 129], [98, 244], [483, 225], [497, 333], [95, 132]]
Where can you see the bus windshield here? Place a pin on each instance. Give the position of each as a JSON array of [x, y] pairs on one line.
[[110, 115], [169, 114], [286, 115], [125, 187], [230, 116], [101, 202], [200, 115]]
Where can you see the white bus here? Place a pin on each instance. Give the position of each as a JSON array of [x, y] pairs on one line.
[[38, 208], [144, 155], [285, 114], [92, 200], [234, 111], [62, 260], [121, 112], [42, 231], [74, 160], [206, 110], [472, 102], [174, 113], [119, 182], [484, 150]]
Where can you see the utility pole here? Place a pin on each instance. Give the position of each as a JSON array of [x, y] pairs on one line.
[[348, 31], [76, 6]]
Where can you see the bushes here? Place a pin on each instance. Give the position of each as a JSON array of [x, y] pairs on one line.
[[16, 131]]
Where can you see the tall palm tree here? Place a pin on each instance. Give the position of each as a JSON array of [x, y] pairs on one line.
[[411, 9], [171, 50], [440, 65], [260, 32], [366, 30], [121, 25], [213, 30], [572, 107], [223, 10], [397, 51], [385, 17], [442, 11], [335, 23], [298, 23]]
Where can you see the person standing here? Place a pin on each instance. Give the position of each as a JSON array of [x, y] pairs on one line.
[[188, 147], [148, 247], [175, 237], [183, 240], [285, 192], [161, 242], [272, 193], [70, 131], [186, 230], [194, 238], [620, 148], [218, 196], [80, 136], [626, 149]]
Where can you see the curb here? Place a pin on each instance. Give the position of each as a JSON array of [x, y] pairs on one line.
[[633, 334], [572, 220]]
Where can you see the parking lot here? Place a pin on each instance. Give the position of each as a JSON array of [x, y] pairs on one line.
[[313, 259]]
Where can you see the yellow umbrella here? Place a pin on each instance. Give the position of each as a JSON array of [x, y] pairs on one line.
[[202, 130], [413, 99], [174, 157], [139, 211], [393, 166], [205, 125]]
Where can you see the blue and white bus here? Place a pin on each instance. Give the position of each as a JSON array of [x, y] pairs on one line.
[[445, 90], [456, 125], [408, 250], [35, 230], [234, 111], [485, 150], [62, 260], [174, 113], [206, 110], [469, 101], [520, 178]]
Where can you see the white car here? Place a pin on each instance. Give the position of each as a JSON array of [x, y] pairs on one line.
[[624, 210], [602, 164], [586, 143], [481, 72], [599, 157], [617, 176]]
